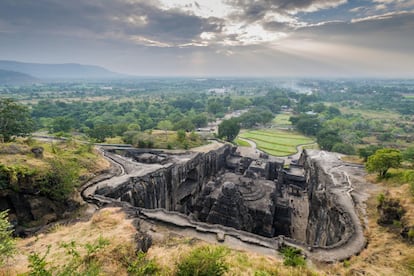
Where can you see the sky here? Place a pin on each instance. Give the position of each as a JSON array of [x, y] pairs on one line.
[[267, 38]]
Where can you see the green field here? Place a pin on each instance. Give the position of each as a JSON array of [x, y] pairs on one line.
[[282, 119], [276, 142], [241, 143]]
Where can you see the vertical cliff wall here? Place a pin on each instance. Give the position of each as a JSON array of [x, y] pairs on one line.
[[175, 186], [330, 205]]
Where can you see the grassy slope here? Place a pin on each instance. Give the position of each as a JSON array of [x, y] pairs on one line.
[[109, 223], [241, 143], [387, 253], [276, 142], [282, 119], [19, 153]]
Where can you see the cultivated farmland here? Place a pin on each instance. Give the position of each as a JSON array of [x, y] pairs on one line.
[[277, 142]]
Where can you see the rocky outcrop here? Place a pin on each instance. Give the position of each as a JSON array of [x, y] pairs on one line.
[[33, 210], [315, 202], [175, 186], [230, 210]]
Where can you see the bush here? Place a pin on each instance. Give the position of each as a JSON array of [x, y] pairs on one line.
[[181, 135], [61, 180], [410, 234], [77, 264], [390, 211], [142, 266], [408, 176], [292, 256], [380, 198], [37, 264], [204, 260], [343, 148], [7, 243]]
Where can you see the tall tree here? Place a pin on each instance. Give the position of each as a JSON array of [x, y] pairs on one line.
[[165, 125], [15, 119], [383, 160], [229, 129]]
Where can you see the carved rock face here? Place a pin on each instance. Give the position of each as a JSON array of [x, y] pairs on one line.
[[309, 201], [230, 209]]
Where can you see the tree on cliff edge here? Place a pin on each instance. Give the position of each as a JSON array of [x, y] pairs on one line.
[[383, 160], [15, 119]]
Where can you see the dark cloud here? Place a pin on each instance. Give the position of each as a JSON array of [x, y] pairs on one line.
[[278, 26], [253, 10], [118, 17], [118, 34], [393, 31]]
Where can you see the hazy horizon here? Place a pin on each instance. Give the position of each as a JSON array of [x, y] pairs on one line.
[[213, 38]]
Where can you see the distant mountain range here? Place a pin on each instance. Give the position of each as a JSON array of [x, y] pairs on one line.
[[12, 78], [57, 71]]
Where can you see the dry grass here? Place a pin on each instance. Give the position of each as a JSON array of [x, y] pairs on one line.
[[109, 224], [387, 253], [352, 159], [169, 252], [90, 162]]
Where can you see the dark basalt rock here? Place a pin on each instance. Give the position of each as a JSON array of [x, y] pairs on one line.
[[230, 210], [38, 152], [389, 210], [309, 202], [31, 209]]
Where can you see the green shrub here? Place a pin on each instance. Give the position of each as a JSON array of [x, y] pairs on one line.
[[60, 180], [380, 198], [292, 256], [13, 176], [346, 263], [343, 148], [408, 176], [204, 261], [143, 266], [181, 135], [141, 144], [77, 264], [261, 273], [37, 264], [410, 234], [7, 243]]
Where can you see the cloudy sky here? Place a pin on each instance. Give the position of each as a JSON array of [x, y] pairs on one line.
[[340, 38]]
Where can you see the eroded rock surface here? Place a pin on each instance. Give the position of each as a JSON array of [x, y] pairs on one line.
[[314, 203]]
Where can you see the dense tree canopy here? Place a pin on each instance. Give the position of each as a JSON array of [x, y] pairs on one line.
[[229, 129], [14, 119], [383, 160], [327, 139], [307, 124], [408, 154], [368, 151]]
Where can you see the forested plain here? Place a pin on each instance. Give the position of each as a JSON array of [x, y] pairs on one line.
[[370, 120], [344, 115]]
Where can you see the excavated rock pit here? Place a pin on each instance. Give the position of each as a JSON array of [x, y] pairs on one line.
[[313, 204]]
